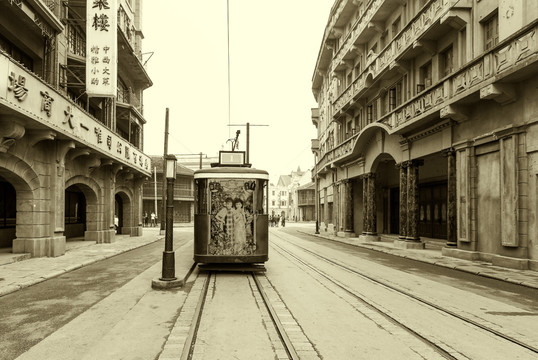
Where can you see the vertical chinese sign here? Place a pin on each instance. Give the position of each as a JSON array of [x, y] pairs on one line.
[[101, 48]]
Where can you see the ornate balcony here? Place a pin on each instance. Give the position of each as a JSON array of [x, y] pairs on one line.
[[388, 58], [481, 76]]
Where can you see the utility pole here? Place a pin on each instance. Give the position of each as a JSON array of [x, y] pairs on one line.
[[155, 185], [163, 220]]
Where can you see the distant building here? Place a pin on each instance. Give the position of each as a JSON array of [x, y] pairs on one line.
[[281, 201], [183, 187], [427, 126], [303, 199]]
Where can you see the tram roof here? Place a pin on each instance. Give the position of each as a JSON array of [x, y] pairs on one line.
[[231, 172]]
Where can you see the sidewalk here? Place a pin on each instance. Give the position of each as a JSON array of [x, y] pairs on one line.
[[17, 271], [432, 255]]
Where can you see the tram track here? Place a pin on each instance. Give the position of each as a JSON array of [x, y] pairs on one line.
[[264, 296], [439, 346]]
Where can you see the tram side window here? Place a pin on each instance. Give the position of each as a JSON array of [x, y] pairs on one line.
[[260, 200], [201, 197], [8, 208]]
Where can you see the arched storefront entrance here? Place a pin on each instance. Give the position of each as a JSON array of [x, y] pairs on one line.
[[122, 213], [388, 194], [433, 194], [8, 213], [118, 213], [75, 212]]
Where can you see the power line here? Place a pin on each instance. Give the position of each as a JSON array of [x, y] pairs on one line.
[[228, 45]]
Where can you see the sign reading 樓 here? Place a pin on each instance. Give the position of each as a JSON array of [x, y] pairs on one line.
[[101, 47]]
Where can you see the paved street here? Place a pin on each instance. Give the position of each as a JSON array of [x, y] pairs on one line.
[[105, 308]]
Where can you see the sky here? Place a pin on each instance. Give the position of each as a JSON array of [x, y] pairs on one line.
[[273, 48]]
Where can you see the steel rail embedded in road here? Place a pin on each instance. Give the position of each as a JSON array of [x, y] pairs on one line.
[[400, 291], [444, 353], [190, 343]]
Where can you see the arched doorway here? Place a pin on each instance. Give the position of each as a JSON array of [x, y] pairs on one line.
[[118, 213], [387, 194], [75, 212], [122, 213], [8, 213]]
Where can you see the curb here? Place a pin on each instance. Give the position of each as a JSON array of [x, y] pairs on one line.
[[436, 262], [16, 287]]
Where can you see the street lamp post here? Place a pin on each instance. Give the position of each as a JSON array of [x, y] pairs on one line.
[[169, 271]]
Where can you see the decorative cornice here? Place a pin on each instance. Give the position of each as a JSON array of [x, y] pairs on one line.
[[435, 129]]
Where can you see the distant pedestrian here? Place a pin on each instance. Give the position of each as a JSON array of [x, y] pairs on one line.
[[153, 218], [145, 219], [283, 221]]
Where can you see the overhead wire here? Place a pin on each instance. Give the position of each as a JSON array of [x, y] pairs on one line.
[[228, 48]]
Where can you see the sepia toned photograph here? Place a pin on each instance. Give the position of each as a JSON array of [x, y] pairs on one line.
[[284, 179]]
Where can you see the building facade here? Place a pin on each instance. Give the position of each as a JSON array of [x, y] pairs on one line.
[[283, 196], [70, 163], [183, 187], [305, 200], [427, 125], [183, 193]]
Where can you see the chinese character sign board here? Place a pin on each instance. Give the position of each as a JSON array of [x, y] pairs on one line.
[[101, 47]]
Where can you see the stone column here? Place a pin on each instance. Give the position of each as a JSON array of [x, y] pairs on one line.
[[369, 232], [412, 201], [365, 223], [452, 225], [348, 219], [403, 200], [136, 229], [108, 208], [336, 207], [325, 207], [372, 209]]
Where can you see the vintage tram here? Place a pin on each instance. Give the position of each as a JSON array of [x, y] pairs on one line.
[[231, 213]]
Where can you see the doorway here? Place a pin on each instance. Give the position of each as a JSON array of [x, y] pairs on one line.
[[433, 210]]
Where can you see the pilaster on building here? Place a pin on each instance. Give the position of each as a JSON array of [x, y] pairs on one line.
[[425, 126]]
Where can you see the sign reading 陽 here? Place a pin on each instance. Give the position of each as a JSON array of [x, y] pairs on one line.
[[101, 47]]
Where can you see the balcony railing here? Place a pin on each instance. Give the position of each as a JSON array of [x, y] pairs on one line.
[[76, 41], [124, 23], [521, 50], [476, 75], [396, 48]]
